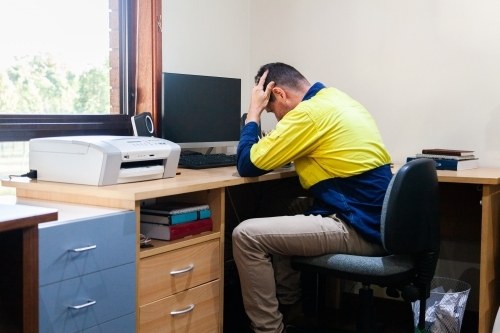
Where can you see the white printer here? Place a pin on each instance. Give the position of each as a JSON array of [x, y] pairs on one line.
[[103, 160]]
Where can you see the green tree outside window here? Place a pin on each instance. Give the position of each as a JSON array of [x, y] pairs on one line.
[[40, 84]]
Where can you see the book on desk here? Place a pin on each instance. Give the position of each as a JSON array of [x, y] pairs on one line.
[[448, 152], [448, 159]]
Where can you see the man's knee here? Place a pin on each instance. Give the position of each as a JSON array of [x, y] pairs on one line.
[[242, 234], [239, 235]]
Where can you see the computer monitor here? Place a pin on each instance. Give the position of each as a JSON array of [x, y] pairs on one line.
[[201, 111]]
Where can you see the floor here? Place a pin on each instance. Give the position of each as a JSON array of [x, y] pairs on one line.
[[395, 316]]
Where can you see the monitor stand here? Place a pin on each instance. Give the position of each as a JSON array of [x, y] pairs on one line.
[[189, 152]]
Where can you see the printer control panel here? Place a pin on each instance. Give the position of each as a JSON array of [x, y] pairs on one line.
[[142, 148]]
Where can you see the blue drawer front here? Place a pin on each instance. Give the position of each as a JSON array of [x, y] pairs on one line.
[[112, 235], [112, 289], [125, 324]]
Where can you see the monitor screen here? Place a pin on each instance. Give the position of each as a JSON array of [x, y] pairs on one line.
[[201, 111]]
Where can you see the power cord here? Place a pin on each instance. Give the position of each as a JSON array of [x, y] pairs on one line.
[[144, 240], [232, 205], [31, 175]]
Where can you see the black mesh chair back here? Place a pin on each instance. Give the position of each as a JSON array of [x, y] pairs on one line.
[[410, 214]]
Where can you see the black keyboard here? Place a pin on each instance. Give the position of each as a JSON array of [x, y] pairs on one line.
[[206, 161]]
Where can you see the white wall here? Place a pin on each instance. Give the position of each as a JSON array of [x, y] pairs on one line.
[[428, 70], [207, 38]]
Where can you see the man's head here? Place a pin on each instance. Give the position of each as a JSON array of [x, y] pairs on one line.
[[289, 90]]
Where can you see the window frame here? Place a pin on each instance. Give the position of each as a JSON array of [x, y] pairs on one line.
[[25, 127], [138, 57]]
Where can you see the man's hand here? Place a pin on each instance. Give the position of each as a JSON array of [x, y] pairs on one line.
[[259, 99]]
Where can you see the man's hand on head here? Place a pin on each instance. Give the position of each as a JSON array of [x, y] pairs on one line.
[[259, 99]]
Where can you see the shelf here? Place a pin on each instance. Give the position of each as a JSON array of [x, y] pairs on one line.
[[160, 246]]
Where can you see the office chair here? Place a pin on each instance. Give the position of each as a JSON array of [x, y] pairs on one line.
[[410, 234]]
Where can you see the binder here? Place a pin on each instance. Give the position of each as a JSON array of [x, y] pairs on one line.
[[173, 232], [174, 212]]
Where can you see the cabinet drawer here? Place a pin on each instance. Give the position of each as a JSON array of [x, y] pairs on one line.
[[158, 277], [125, 324], [113, 291], [202, 317], [100, 243]]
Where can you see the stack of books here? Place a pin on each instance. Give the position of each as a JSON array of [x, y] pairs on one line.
[[174, 220], [449, 159]]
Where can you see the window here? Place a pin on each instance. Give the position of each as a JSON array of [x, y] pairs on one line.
[[64, 68], [55, 80], [13, 161]]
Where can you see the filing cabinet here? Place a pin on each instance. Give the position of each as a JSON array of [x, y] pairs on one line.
[[87, 273]]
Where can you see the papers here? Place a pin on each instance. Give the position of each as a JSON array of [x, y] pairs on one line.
[[444, 310]]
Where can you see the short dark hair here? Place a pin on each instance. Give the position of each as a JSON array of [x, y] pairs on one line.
[[282, 75]]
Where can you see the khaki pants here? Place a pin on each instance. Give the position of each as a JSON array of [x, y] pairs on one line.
[[256, 240]]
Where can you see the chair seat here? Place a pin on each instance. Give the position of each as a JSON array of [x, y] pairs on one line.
[[387, 270]]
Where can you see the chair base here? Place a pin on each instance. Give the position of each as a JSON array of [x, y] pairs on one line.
[[365, 318]]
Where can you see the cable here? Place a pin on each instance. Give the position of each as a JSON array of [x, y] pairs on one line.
[[347, 293], [145, 239], [232, 205], [31, 175]]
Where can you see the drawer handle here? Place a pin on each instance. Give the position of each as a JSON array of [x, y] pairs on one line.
[[174, 313], [182, 270], [81, 249], [78, 307]]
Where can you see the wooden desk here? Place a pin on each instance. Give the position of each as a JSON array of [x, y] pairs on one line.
[[199, 186], [470, 202], [19, 231]]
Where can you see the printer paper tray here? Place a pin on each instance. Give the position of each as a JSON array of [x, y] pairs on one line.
[[142, 171]]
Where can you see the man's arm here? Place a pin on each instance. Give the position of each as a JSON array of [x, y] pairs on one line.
[[250, 132], [259, 99], [249, 136]]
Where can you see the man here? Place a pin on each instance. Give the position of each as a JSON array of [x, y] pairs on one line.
[[339, 157]]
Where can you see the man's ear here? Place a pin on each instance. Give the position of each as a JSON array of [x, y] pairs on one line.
[[279, 93]]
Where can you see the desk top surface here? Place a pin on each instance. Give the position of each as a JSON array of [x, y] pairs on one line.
[[22, 216], [484, 176], [206, 179], [188, 181]]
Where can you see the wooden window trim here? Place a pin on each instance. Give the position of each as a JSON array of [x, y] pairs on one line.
[[149, 64], [26, 127]]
